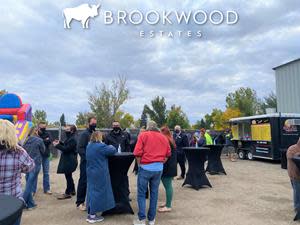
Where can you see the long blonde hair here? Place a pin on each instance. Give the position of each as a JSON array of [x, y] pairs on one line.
[[8, 136], [97, 136]]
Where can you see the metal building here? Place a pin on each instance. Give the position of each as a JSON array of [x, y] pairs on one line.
[[288, 87]]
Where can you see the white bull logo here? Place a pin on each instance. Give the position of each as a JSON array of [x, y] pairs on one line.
[[80, 13]]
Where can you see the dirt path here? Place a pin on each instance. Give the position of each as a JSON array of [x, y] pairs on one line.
[[253, 193]]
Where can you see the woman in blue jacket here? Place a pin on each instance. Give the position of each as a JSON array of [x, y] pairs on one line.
[[100, 196]]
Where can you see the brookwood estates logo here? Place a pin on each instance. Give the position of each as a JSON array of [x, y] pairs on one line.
[[81, 13], [154, 23]]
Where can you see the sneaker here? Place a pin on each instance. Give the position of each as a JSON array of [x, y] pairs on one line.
[[31, 208], [139, 222], [164, 209], [162, 206], [73, 193], [64, 196], [94, 219], [180, 178], [48, 192], [81, 207], [152, 222]]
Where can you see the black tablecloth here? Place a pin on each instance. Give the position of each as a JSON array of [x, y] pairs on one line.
[[10, 209], [283, 158], [214, 165], [297, 216], [118, 168], [296, 160], [196, 176]]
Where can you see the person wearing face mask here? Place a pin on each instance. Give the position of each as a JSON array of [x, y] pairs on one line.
[[121, 141], [118, 138], [68, 160], [181, 141], [43, 134], [82, 143]]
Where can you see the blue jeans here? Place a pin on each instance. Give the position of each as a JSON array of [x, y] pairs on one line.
[[144, 179], [46, 177], [31, 179], [296, 193]]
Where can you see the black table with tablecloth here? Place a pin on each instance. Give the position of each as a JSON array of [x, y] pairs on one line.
[[119, 165], [11, 209], [283, 158], [196, 176], [214, 164], [296, 160]]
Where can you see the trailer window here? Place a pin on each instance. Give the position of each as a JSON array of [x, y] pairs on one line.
[[235, 132], [261, 132], [241, 131]]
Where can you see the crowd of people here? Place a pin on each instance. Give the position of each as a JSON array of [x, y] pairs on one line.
[[157, 152]]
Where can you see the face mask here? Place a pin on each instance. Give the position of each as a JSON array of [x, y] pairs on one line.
[[68, 134], [92, 127], [177, 131], [42, 130], [116, 129]]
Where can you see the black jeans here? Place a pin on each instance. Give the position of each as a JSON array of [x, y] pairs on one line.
[[70, 184], [81, 189], [181, 161]]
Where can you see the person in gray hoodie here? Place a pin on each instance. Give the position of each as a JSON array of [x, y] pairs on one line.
[[35, 147]]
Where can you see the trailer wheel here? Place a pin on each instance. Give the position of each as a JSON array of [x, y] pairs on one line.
[[241, 154], [249, 155]]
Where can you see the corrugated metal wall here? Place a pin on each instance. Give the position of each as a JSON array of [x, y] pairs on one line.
[[288, 88]]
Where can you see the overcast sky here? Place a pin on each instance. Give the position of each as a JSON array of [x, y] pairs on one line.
[[53, 68]]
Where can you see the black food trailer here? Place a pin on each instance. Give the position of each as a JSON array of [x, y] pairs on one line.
[[265, 136]]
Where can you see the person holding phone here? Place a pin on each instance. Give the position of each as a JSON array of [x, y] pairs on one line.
[[68, 160]]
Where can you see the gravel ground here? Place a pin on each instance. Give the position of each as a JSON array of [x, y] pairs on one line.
[[252, 193]]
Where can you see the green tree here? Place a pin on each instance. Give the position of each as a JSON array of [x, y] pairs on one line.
[[143, 120], [127, 121], [229, 114], [82, 119], [270, 101], [137, 123], [208, 121], [106, 101], [244, 99], [158, 112], [62, 120], [54, 124], [217, 119], [177, 117], [2, 92], [200, 124], [39, 116], [118, 116]]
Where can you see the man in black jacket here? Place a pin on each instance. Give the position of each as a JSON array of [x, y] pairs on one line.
[[83, 141], [43, 134], [118, 138], [121, 141], [181, 141]]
